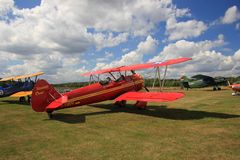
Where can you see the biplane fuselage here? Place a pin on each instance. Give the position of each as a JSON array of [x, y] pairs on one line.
[[13, 87], [98, 92], [46, 99], [236, 88]]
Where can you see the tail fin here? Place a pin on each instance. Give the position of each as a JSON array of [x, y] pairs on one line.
[[43, 94]]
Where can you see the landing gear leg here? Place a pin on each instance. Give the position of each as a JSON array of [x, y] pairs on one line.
[[50, 116]]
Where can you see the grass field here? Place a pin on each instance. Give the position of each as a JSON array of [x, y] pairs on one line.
[[203, 125]]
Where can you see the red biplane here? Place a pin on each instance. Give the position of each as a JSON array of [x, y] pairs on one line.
[[46, 99], [236, 88]]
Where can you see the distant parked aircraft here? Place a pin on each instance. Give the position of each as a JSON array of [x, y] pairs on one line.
[[200, 81]]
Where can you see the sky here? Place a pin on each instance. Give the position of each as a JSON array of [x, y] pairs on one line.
[[67, 38]]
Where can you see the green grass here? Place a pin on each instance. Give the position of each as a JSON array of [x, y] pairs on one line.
[[202, 125]]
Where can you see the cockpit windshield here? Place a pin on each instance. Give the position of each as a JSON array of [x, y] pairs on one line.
[[105, 81]]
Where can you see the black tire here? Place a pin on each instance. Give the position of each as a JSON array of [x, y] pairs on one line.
[[121, 103], [29, 99], [22, 99]]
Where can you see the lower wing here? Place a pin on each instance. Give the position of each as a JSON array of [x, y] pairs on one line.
[[22, 94], [151, 96]]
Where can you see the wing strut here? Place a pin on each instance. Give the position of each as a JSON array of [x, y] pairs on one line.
[[164, 76], [157, 76]]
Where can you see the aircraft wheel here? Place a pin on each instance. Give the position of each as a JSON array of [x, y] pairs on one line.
[[214, 88], [141, 105], [29, 100], [219, 88], [121, 103], [22, 99]]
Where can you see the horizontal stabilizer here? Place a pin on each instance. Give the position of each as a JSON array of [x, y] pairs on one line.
[[151, 96], [22, 94], [57, 103]]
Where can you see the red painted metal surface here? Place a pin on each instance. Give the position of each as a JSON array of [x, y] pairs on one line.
[[236, 87], [139, 66], [46, 98], [151, 96], [154, 64], [43, 94]]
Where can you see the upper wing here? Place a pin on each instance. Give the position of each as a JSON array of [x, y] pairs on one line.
[[173, 61], [102, 71], [6, 79], [28, 75], [151, 96], [139, 66], [22, 94], [154, 64], [22, 76], [200, 76]]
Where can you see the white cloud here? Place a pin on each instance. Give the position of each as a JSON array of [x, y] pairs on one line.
[[55, 36], [236, 68], [183, 48], [124, 50], [178, 30], [133, 57], [205, 59], [5, 7], [63, 26], [238, 26], [237, 55], [231, 15], [103, 41]]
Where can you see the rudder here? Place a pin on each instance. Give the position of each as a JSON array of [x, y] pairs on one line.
[[43, 94]]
